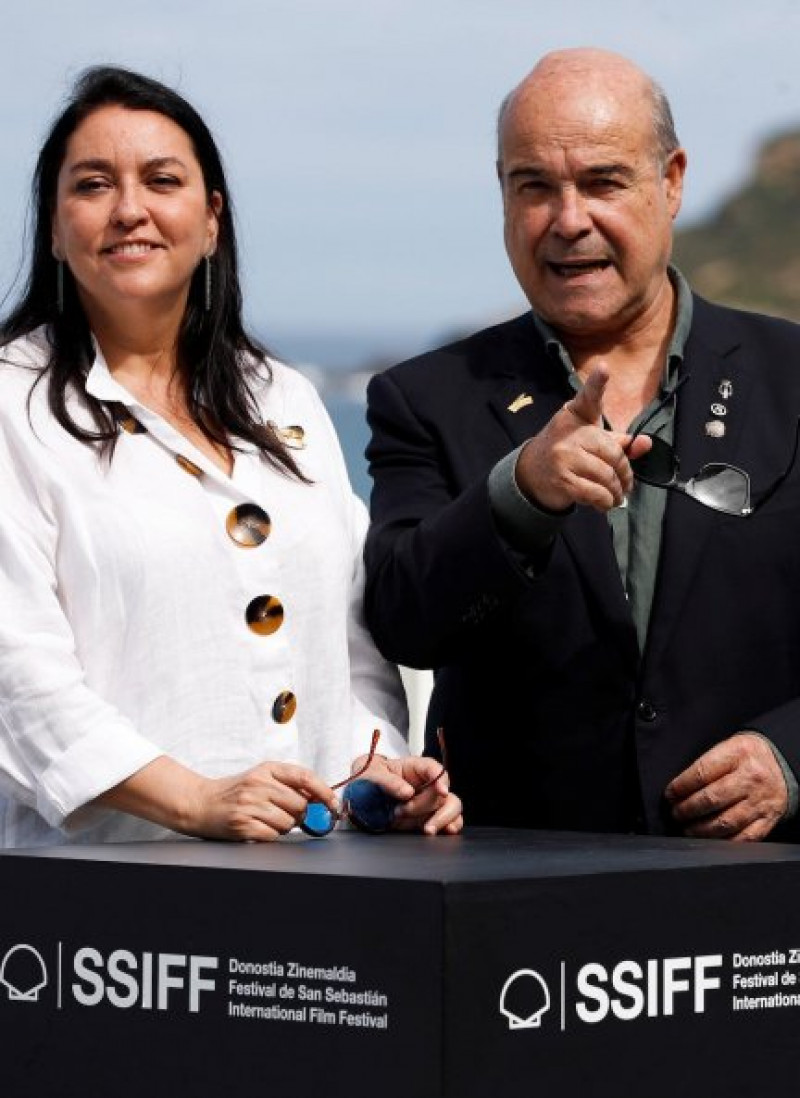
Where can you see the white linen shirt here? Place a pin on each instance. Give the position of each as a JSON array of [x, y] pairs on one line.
[[122, 608]]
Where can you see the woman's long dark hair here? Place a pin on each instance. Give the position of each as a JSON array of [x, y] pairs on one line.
[[216, 357]]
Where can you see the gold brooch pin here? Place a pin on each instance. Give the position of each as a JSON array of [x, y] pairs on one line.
[[294, 436], [520, 402]]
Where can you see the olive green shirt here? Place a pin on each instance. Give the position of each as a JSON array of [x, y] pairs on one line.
[[636, 526]]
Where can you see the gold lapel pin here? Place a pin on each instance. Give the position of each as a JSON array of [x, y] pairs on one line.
[[520, 402]]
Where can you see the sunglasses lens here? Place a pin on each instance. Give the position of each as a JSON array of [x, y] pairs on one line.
[[369, 807], [721, 487], [657, 466], [318, 820]]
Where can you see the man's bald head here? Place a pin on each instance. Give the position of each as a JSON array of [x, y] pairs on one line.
[[592, 179], [610, 73]]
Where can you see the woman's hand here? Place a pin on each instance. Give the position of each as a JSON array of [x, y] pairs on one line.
[[257, 805], [433, 809]]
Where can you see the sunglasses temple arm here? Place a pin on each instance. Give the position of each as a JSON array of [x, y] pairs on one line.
[[371, 755], [442, 747], [365, 765], [661, 404], [443, 752]]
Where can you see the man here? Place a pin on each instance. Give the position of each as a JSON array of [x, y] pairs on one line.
[[609, 655]]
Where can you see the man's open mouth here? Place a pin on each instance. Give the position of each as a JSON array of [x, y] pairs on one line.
[[578, 267]]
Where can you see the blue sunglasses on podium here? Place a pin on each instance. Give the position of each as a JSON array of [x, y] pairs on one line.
[[364, 803]]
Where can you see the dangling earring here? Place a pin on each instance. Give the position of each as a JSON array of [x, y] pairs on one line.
[[60, 285], [207, 284]]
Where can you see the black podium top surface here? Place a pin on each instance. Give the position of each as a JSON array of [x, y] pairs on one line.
[[479, 854]]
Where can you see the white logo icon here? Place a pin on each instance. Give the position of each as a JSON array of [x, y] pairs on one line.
[[524, 999], [23, 973]]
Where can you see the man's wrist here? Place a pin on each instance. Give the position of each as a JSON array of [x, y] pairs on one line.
[[792, 787], [525, 525]]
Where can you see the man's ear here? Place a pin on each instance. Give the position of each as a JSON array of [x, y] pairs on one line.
[[674, 172]]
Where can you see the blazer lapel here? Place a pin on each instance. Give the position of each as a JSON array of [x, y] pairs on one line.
[[525, 394], [526, 387], [588, 536], [523, 407], [708, 429]]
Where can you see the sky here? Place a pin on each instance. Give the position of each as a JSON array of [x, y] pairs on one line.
[[359, 134]]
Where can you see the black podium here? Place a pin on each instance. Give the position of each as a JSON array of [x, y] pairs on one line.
[[495, 964]]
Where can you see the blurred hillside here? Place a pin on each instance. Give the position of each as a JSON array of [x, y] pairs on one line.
[[747, 254]]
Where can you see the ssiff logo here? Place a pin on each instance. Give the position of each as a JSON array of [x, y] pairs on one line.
[[524, 999], [23, 973]]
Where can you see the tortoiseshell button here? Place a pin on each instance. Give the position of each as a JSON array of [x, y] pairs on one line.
[[284, 707], [132, 425], [188, 466], [264, 615], [126, 420], [248, 525]]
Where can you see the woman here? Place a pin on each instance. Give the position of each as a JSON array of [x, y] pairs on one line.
[[180, 550]]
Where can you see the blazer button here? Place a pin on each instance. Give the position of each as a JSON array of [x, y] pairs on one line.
[[264, 615], [248, 525], [284, 707], [132, 425], [646, 711], [188, 466]]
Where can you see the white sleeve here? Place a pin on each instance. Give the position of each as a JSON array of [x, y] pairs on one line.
[[379, 698], [377, 692], [60, 744]]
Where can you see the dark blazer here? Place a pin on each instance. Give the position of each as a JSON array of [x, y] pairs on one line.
[[553, 717]]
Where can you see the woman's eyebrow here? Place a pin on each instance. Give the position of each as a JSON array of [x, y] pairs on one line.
[[100, 165]]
